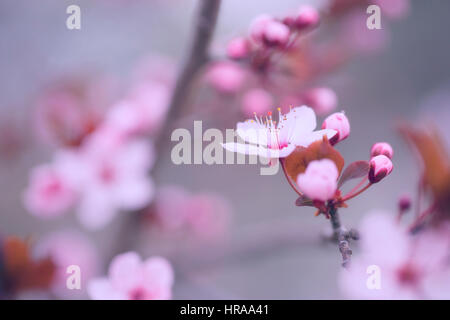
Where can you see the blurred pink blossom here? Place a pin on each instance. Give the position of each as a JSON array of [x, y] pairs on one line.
[[238, 48], [256, 101], [114, 179], [276, 33], [67, 248], [322, 100], [50, 192], [306, 17], [170, 207], [411, 267], [143, 111], [225, 76], [319, 181], [207, 215], [258, 27], [130, 278]]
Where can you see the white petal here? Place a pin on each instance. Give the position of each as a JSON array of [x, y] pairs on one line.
[[101, 289], [259, 151], [303, 118], [252, 132], [307, 139]]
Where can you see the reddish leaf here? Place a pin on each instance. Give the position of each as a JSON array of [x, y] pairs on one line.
[[304, 201], [436, 162], [354, 170], [22, 271], [299, 159]]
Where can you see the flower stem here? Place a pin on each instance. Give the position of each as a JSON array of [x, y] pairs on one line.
[[351, 196]]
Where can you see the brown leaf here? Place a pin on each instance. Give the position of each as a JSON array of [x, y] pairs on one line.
[[299, 159], [436, 162], [22, 271], [354, 170]]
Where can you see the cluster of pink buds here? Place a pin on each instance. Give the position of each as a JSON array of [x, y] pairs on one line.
[[267, 32], [318, 185]]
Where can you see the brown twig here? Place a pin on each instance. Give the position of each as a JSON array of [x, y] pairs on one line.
[[195, 59], [342, 236], [197, 55]]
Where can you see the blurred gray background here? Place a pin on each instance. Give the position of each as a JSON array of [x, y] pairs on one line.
[[375, 91]]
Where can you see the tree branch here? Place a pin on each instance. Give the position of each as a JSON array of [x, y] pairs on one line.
[[197, 55], [342, 236]]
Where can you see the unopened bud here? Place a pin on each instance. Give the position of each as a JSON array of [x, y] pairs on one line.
[[337, 121], [380, 167], [383, 148]]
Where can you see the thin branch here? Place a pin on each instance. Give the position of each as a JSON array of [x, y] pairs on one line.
[[342, 236], [196, 56]]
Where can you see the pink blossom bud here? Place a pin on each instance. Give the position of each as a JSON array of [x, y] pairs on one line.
[[276, 34], [258, 27], [226, 77], [307, 17], [238, 48], [318, 182], [322, 100], [256, 100], [339, 122], [404, 202], [383, 148], [50, 192], [380, 167]]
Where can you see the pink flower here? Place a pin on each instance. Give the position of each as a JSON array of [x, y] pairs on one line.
[[67, 248], [319, 181], [408, 267], [277, 140], [50, 192], [170, 207], [383, 148], [306, 17], [322, 100], [338, 122], [256, 101], [206, 214], [114, 178], [143, 111], [226, 77], [276, 33], [258, 27], [238, 48], [130, 278], [380, 167]]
